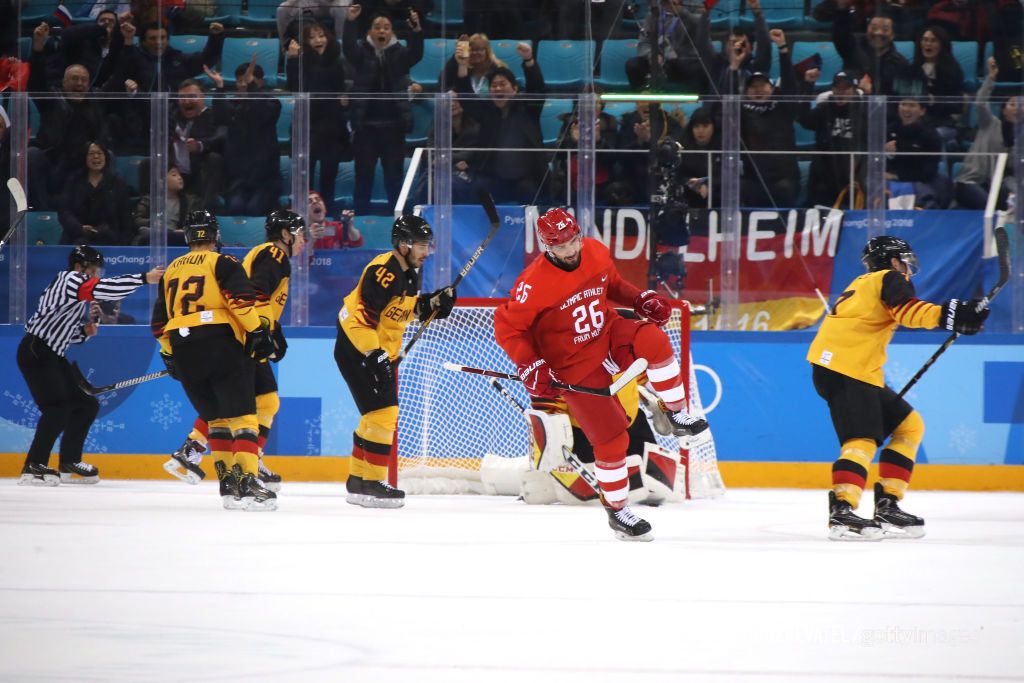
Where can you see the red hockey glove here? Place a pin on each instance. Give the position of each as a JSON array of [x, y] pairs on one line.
[[653, 306], [537, 378]]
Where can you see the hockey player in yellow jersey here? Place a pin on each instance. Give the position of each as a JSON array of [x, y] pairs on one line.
[[847, 356], [268, 266], [210, 332], [371, 322]]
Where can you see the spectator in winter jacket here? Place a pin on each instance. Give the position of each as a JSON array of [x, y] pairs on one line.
[[872, 55], [943, 80], [68, 118], [839, 122], [96, 46], [380, 122], [179, 205], [730, 68], [252, 163], [197, 144], [995, 136], [96, 209], [766, 124], [912, 137], [482, 61], [677, 29], [700, 169], [511, 120], [294, 15], [316, 67], [397, 12]]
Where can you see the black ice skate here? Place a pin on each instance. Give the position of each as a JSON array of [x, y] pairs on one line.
[[38, 475], [79, 473], [270, 480], [691, 430], [895, 523], [229, 492], [380, 494], [354, 487], [184, 462], [845, 525], [627, 526], [255, 497]]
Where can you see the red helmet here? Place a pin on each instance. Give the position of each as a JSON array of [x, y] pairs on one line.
[[557, 226]]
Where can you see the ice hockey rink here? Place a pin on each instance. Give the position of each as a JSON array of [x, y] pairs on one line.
[[153, 581]]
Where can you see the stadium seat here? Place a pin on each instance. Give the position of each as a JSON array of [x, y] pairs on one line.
[[36, 11], [565, 62], [614, 55], [905, 48], [43, 228], [831, 62], [427, 71], [33, 118], [239, 51], [25, 48], [229, 13], [187, 43], [725, 13], [505, 50], [376, 231], [345, 185], [618, 109], [284, 121], [550, 124], [422, 122], [804, 137], [241, 231], [262, 14], [784, 14], [128, 168], [966, 54], [453, 15]]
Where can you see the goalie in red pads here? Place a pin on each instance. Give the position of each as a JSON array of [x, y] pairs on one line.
[[560, 325]]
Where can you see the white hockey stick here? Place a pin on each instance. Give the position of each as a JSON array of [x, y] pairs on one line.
[[20, 202], [632, 372]]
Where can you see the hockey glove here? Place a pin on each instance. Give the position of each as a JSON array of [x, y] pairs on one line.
[[280, 344], [168, 360], [378, 364], [963, 317], [652, 306], [442, 301], [536, 378], [258, 344]]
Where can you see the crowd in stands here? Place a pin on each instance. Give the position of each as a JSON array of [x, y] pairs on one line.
[[92, 68]]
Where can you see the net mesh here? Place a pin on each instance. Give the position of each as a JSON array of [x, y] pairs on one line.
[[450, 420]]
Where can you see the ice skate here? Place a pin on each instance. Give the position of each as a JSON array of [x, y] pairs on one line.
[[79, 473], [845, 525], [380, 494], [254, 496], [691, 430], [895, 522], [270, 480], [659, 418], [229, 492], [354, 487], [184, 462], [38, 475], [627, 526]]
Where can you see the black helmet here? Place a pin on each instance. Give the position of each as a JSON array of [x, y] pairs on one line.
[[201, 226], [282, 219], [410, 229], [879, 252], [84, 255]]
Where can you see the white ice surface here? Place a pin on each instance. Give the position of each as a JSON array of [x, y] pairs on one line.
[[154, 582]]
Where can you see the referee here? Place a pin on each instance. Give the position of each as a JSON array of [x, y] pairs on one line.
[[56, 324]]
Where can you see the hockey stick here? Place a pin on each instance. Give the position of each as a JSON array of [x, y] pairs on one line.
[[1003, 254], [631, 373], [570, 457], [88, 388], [487, 202], [18, 193]]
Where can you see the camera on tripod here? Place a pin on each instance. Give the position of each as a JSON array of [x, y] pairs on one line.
[[669, 212]]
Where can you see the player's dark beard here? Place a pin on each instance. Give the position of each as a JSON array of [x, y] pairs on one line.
[[564, 265]]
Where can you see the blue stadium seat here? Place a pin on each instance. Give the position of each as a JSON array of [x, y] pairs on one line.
[[565, 62], [422, 122], [376, 231], [262, 14], [229, 13], [966, 53], [505, 50], [345, 184], [905, 48], [25, 48], [242, 231], [550, 124], [614, 55], [618, 109], [453, 14], [43, 228], [284, 121], [427, 71], [804, 137], [239, 51], [831, 62], [784, 14], [128, 168], [187, 43], [724, 13], [35, 11], [33, 118]]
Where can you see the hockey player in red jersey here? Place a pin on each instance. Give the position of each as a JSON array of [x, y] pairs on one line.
[[560, 325]]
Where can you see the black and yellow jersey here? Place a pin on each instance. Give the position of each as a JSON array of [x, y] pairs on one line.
[[854, 336], [375, 314], [628, 397], [200, 289], [269, 268]]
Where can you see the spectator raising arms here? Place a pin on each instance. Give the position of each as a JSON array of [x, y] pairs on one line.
[[873, 55], [96, 209], [510, 121], [839, 122], [379, 123], [676, 28], [730, 68], [482, 62]]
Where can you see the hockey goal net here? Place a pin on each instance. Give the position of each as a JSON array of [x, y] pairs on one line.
[[448, 421]]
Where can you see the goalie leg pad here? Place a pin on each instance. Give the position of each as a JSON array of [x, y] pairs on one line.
[[660, 473], [550, 431]]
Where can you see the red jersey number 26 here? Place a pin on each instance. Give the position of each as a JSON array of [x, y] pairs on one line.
[[522, 292]]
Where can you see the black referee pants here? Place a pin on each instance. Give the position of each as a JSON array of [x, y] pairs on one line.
[[62, 405]]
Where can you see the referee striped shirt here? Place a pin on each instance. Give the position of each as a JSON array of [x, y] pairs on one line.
[[64, 304]]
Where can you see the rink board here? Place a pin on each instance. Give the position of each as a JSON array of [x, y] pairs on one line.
[[763, 408]]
